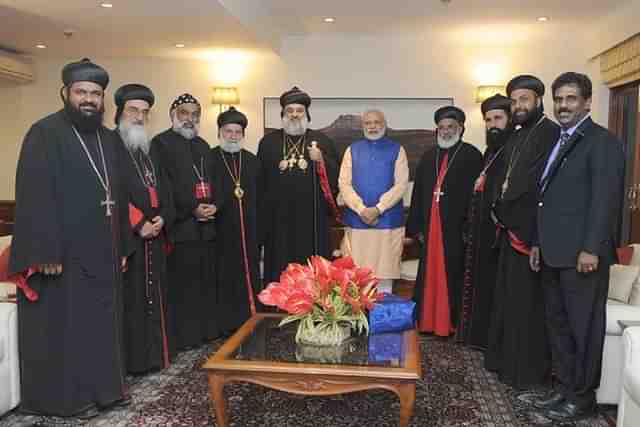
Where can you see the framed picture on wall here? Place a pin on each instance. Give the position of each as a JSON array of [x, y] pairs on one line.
[[409, 121]]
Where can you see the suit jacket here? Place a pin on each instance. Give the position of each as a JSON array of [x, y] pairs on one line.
[[580, 199]]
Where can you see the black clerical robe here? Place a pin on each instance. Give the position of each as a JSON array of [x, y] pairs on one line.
[[464, 165], [71, 346], [146, 282], [192, 296], [518, 349], [481, 253], [294, 214], [237, 267]]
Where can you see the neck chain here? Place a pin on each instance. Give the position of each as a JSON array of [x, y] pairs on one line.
[[293, 153], [449, 163], [108, 202], [236, 174], [199, 173], [148, 178], [515, 155]]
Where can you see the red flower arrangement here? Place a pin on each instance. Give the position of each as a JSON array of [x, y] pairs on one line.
[[329, 298]]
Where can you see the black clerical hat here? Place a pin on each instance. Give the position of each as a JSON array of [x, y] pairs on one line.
[[295, 96], [185, 98], [85, 71], [450, 112], [496, 102], [133, 91], [526, 81], [232, 116], [130, 92]]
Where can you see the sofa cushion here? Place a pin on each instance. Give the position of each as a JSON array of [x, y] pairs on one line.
[[621, 281], [619, 311]]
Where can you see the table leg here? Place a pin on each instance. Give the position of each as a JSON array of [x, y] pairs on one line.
[[407, 395], [216, 390]]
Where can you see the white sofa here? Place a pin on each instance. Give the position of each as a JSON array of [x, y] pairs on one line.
[[9, 362], [613, 355], [629, 406]]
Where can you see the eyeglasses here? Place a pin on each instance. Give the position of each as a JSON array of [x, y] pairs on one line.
[[137, 112]]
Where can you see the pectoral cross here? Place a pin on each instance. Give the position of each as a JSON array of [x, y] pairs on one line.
[[108, 203], [438, 193]]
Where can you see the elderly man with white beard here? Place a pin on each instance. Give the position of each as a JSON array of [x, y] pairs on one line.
[[238, 172], [192, 295], [299, 178], [439, 205], [150, 210], [373, 178]]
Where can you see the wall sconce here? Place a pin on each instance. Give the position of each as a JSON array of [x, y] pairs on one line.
[[484, 92], [225, 96]]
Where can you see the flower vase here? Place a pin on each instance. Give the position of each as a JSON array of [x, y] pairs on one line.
[[323, 333]]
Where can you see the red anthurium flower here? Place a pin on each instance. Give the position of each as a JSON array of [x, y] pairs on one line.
[[344, 263]]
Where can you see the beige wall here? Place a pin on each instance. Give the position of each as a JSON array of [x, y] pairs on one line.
[[424, 65]]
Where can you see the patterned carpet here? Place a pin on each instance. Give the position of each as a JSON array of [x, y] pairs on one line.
[[455, 392]]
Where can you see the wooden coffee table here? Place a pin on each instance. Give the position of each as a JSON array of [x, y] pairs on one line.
[[262, 353]]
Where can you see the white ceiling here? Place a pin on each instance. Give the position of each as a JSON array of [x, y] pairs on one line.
[[153, 27]]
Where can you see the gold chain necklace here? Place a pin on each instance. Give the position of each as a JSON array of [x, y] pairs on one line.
[[238, 191]]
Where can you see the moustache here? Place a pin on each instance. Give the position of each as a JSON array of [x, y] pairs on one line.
[[188, 125], [89, 104], [563, 110], [494, 130]]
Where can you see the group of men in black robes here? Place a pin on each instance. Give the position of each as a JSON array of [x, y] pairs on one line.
[[130, 249]]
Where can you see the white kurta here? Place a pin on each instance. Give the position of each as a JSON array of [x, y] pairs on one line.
[[378, 249]]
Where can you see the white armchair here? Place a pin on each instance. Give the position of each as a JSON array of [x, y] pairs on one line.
[[9, 362], [629, 406]]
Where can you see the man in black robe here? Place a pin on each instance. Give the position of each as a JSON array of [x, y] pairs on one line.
[[439, 204], [192, 297], [299, 176], [238, 174], [518, 349], [481, 255], [70, 240], [150, 208]]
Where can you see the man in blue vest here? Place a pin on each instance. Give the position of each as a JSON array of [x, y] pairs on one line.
[[373, 178]]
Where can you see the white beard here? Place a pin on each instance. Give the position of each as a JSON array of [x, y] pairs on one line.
[[134, 136], [374, 136], [448, 143], [295, 127], [186, 132], [230, 146]]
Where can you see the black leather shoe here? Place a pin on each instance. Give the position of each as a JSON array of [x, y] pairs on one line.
[[569, 411], [549, 401], [88, 413]]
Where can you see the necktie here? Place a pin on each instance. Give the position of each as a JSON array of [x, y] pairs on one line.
[[564, 137]]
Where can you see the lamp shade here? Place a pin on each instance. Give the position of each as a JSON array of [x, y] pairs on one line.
[[484, 92], [225, 96]]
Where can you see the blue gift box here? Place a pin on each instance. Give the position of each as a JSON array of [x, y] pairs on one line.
[[392, 314], [386, 348]]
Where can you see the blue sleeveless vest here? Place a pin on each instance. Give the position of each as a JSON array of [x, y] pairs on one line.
[[373, 166]]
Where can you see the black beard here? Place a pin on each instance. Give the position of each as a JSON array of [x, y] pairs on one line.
[[529, 117], [496, 138], [82, 121]]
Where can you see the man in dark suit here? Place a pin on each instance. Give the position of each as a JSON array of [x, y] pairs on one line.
[[579, 200]]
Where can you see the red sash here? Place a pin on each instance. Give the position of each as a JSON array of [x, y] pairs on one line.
[[326, 191], [435, 314]]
